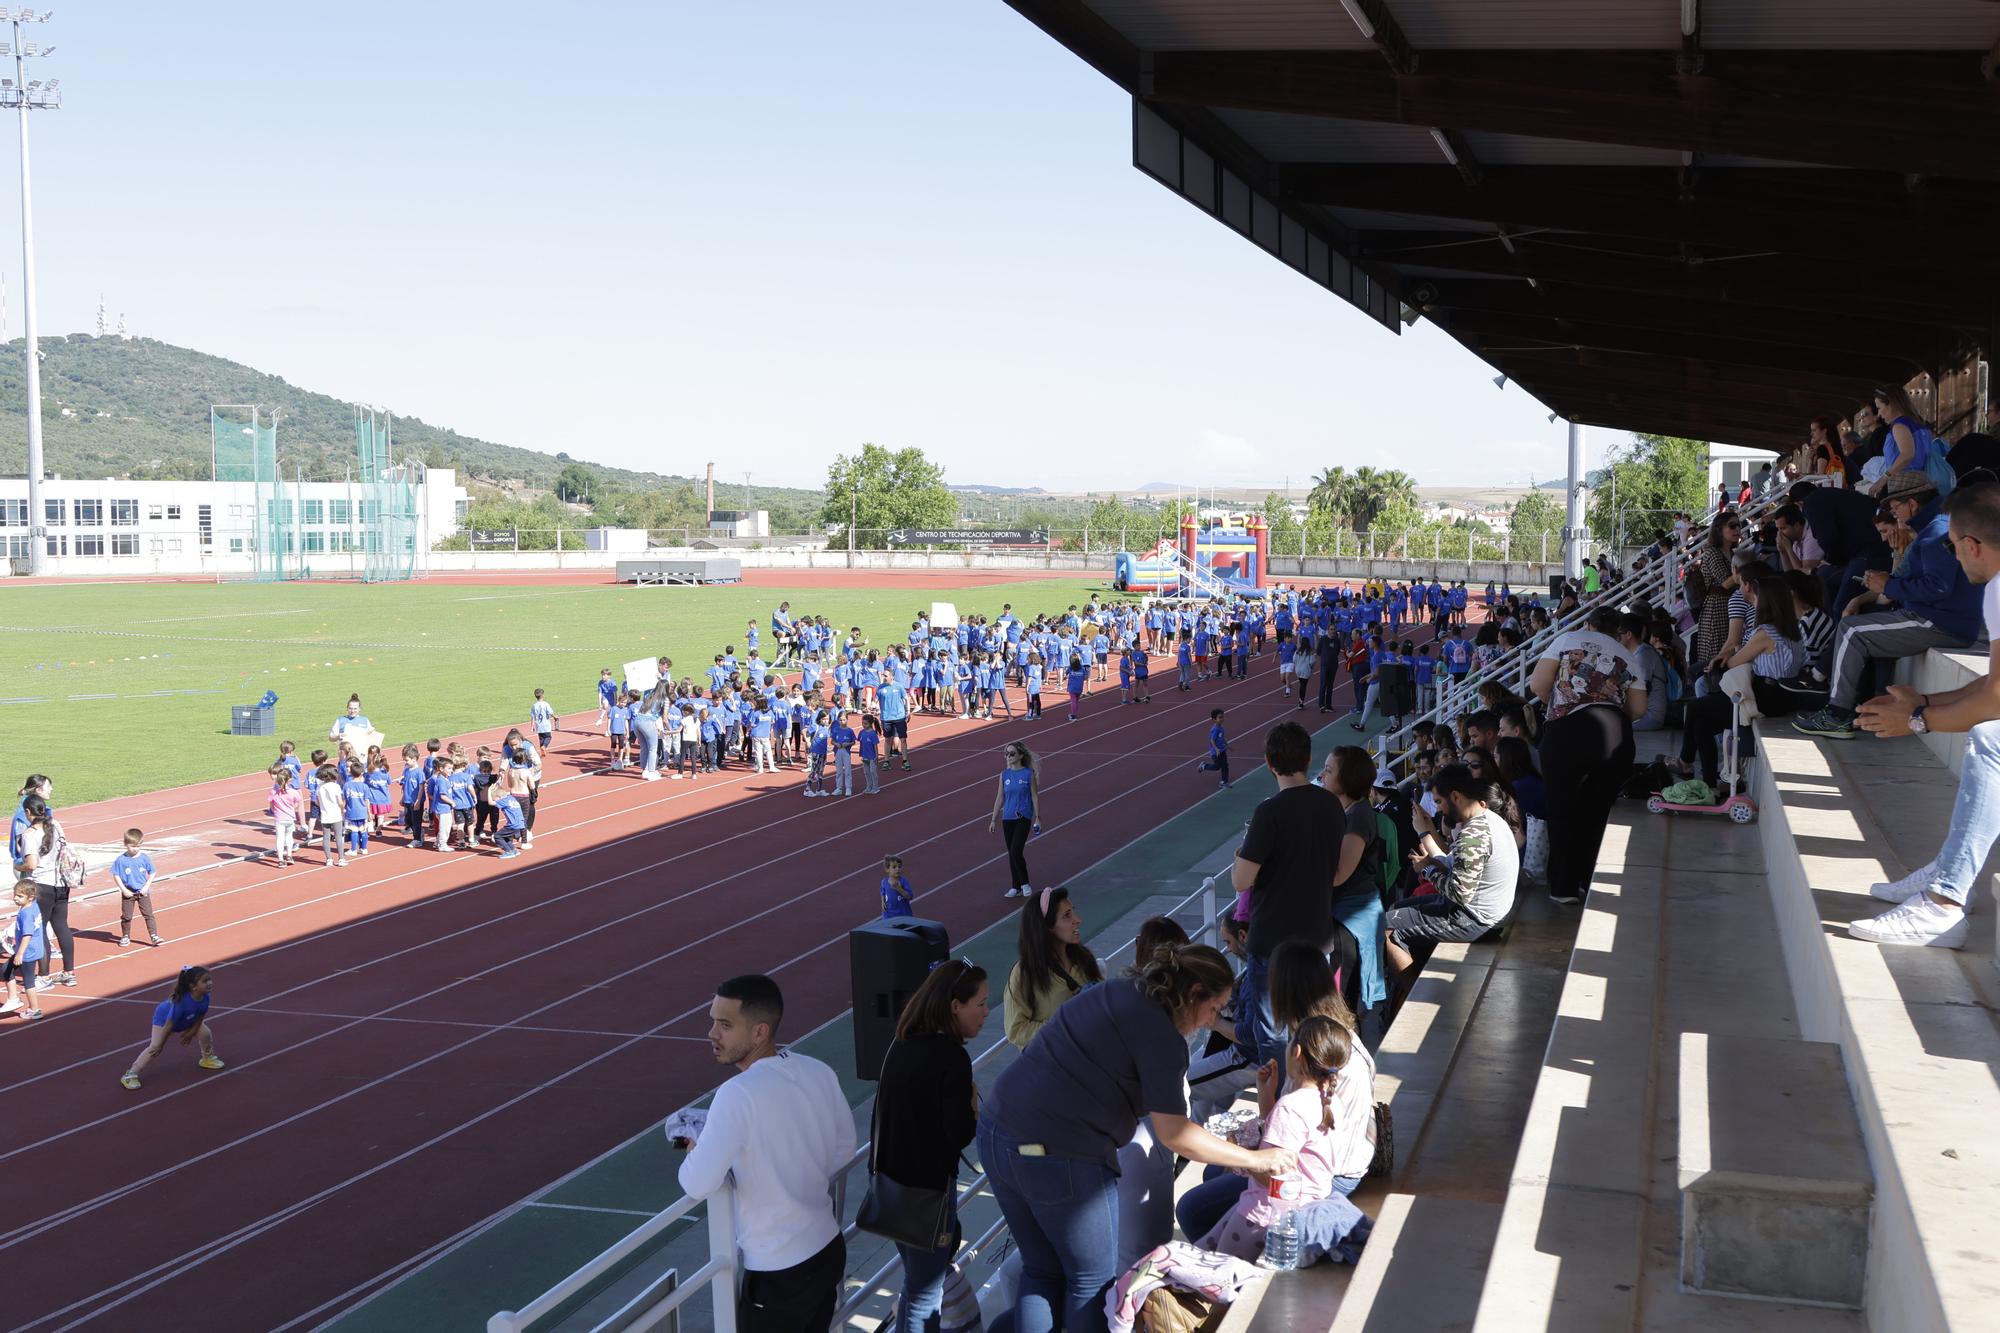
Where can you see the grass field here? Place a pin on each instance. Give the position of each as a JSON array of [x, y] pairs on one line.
[[121, 688]]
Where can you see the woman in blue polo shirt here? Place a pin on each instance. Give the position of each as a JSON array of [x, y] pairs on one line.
[[183, 1014], [353, 720], [1016, 806]]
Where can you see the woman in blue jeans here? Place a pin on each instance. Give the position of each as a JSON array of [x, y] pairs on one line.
[[1303, 985], [1050, 1131], [925, 1107]]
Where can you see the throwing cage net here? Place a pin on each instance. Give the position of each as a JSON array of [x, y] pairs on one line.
[[244, 443], [389, 537]]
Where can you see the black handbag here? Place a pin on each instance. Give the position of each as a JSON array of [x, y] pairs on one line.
[[907, 1214]]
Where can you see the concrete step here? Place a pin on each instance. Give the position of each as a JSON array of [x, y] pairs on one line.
[[1425, 1261], [1919, 1029], [1776, 1192]]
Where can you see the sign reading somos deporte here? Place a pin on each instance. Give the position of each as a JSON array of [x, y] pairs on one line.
[[968, 537]]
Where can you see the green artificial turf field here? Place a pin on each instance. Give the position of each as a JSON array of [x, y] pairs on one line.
[[122, 688]]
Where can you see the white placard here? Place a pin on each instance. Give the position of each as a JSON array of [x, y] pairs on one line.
[[643, 674], [944, 615]]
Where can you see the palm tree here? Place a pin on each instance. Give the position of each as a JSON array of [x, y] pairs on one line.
[[1332, 491], [1375, 491]]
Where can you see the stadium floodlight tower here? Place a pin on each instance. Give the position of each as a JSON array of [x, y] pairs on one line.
[[29, 96]]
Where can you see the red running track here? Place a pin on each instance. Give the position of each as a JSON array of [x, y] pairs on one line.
[[417, 1041]]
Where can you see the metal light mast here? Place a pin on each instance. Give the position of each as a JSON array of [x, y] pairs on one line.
[[29, 96]]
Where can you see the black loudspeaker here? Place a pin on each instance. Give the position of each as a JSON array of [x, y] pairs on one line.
[[1556, 585], [888, 960]]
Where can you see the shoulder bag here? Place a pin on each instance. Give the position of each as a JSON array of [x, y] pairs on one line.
[[907, 1214]]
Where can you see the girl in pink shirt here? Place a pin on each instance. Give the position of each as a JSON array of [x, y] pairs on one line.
[[1302, 1120], [287, 807]]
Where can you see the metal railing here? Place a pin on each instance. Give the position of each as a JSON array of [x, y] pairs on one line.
[[651, 1309], [1512, 668]]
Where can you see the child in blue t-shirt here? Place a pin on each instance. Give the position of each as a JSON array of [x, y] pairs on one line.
[[1242, 652], [1142, 690], [817, 744], [1184, 656], [871, 748], [184, 1013], [621, 729], [842, 738], [133, 873], [896, 893], [1218, 748], [413, 783], [543, 714], [26, 945], [607, 695], [1125, 675], [513, 822], [1078, 680], [354, 791]]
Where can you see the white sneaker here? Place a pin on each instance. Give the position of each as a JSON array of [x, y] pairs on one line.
[[1012, 893], [1917, 921], [1920, 878]]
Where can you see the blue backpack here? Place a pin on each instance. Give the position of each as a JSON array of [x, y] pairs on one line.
[[1931, 458]]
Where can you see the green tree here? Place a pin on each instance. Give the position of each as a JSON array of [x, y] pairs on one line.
[[1373, 491], [1645, 480], [879, 488], [1285, 530], [576, 484], [1533, 514]]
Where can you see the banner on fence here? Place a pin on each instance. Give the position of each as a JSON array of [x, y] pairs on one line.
[[496, 539], [968, 537]]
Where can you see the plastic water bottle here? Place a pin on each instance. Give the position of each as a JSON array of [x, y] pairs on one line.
[[1281, 1244]]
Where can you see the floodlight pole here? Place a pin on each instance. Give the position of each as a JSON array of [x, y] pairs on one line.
[[1573, 515], [46, 100]]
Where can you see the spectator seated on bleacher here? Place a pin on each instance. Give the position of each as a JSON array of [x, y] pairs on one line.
[[1771, 653], [1935, 605], [1475, 878], [1931, 901], [1837, 540]]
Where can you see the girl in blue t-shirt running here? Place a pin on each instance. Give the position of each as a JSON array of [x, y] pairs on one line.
[[185, 1014]]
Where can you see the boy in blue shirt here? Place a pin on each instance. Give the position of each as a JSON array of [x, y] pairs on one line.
[[894, 699], [413, 793], [871, 749], [621, 728], [1125, 676], [896, 892], [543, 715], [1218, 749], [512, 823], [1184, 655], [607, 694], [1242, 652], [133, 873]]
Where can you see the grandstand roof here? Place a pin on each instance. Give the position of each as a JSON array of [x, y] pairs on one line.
[[1717, 232]]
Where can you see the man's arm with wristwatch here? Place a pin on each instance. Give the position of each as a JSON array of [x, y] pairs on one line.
[[1903, 711]]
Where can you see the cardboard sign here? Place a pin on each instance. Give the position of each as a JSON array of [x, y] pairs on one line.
[[643, 674], [944, 615]]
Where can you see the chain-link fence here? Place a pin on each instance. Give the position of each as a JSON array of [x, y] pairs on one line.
[[1436, 545]]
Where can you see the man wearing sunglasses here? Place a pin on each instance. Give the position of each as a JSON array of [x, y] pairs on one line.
[[1931, 901]]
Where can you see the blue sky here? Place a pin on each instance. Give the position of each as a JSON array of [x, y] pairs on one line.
[[659, 235]]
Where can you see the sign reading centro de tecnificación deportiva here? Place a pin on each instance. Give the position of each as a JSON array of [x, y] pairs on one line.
[[968, 537]]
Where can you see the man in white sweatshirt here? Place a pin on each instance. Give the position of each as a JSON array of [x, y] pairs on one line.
[[779, 1131]]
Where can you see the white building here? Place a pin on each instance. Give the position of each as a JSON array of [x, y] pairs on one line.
[[108, 528], [739, 523], [1735, 464]]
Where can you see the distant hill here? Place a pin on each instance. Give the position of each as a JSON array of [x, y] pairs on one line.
[[113, 407]]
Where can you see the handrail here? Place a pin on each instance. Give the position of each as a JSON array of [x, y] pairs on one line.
[[719, 1274], [1395, 748]]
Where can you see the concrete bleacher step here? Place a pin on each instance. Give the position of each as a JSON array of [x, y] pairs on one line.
[[1916, 1027], [1676, 940], [1776, 1192], [1422, 1269]]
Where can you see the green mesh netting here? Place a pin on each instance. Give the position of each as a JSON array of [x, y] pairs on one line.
[[389, 502], [244, 441]]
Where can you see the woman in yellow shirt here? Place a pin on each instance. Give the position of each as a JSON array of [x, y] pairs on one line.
[[1054, 964]]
